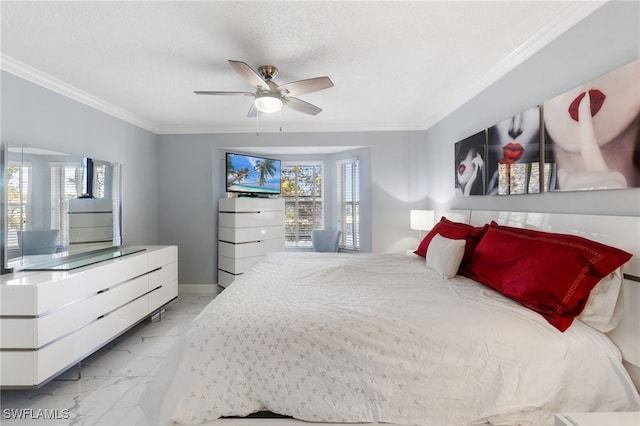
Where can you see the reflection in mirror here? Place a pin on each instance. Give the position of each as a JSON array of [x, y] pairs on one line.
[[58, 205]]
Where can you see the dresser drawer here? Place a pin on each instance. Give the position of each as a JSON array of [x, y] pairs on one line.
[[253, 249], [225, 278], [90, 220], [236, 205], [250, 219], [33, 333], [241, 235], [164, 275], [237, 266], [37, 366], [160, 296]]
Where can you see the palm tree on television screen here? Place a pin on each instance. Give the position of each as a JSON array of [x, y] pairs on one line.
[[266, 168], [236, 176]]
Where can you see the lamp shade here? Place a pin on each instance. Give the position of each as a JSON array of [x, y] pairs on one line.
[[268, 102], [421, 220]]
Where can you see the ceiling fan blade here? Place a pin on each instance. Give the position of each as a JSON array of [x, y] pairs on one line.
[[272, 85], [210, 92], [253, 111], [248, 74], [302, 106], [301, 87]]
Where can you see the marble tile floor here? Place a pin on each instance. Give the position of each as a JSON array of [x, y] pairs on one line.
[[112, 379]]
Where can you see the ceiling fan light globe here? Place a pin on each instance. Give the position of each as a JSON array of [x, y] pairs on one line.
[[268, 103]]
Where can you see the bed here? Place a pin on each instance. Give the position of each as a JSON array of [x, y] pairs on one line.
[[397, 338]]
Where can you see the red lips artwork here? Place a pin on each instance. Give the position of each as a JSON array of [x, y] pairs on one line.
[[597, 99], [511, 153]]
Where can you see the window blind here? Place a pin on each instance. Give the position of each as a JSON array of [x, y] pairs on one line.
[[349, 196], [18, 199], [66, 183], [303, 198]]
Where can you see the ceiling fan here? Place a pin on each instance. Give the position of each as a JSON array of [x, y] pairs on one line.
[[269, 97]]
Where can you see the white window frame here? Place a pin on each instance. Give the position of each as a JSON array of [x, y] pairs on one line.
[[347, 243], [25, 178], [291, 163], [61, 191]]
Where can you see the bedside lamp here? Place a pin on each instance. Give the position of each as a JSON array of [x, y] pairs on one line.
[[421, 220]]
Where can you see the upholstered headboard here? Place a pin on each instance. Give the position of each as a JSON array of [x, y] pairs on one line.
[[617, 231]]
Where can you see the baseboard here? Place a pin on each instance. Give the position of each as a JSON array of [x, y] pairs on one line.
[[198, 289]]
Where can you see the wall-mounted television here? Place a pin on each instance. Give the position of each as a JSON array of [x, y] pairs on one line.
[[250, 175]]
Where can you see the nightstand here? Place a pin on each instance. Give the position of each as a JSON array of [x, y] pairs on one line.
[[598, 419]]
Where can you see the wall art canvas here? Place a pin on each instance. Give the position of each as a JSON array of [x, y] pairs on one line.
[[592, 133], [513, 154], [470, 176]]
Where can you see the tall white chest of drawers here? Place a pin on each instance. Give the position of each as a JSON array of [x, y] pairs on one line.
[[249, 228]]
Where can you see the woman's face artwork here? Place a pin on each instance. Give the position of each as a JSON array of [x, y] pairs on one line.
[[516, 134], [592, 141], [613, 103], [469, 164], [465, 167], [514, 146]]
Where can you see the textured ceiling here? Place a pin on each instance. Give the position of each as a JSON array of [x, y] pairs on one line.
[[395, 65]]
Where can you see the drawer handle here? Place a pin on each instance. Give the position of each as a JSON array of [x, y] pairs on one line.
[[102, 291]]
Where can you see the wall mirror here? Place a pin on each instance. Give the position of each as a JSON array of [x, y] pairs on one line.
[[57, 205]]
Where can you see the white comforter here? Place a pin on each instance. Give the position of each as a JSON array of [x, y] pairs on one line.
[[380, 338]]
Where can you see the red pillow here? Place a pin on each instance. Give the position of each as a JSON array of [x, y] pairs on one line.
[[549, 273], [455, 231]]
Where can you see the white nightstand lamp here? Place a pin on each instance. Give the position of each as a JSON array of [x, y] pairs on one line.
[[421, 220]]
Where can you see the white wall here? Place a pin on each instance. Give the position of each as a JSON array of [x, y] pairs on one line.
[[35, 116], [192, 174], [606, 40]]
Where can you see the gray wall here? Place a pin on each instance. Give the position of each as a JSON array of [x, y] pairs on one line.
[[171, 183], [606, 40], [192, 174], [35, 116]]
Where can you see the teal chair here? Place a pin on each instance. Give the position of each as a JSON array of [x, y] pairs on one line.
[[325, 240], [38, 242]]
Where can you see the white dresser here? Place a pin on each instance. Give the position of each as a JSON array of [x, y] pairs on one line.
[[51, 320], [249, 228], [90, 221]]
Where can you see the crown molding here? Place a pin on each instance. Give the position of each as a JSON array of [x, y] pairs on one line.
[[561, 23], [402, 127], [27, 72]]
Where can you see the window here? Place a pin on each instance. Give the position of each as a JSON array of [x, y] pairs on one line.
[[349, 203], [100, 172], [18, 199], [302, 193], [66, 183]]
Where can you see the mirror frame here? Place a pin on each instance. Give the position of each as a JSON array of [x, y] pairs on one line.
[[3, 207], [21, 262]]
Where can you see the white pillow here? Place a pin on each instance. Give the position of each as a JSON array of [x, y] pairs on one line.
[[444, 255], [604, 307]]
